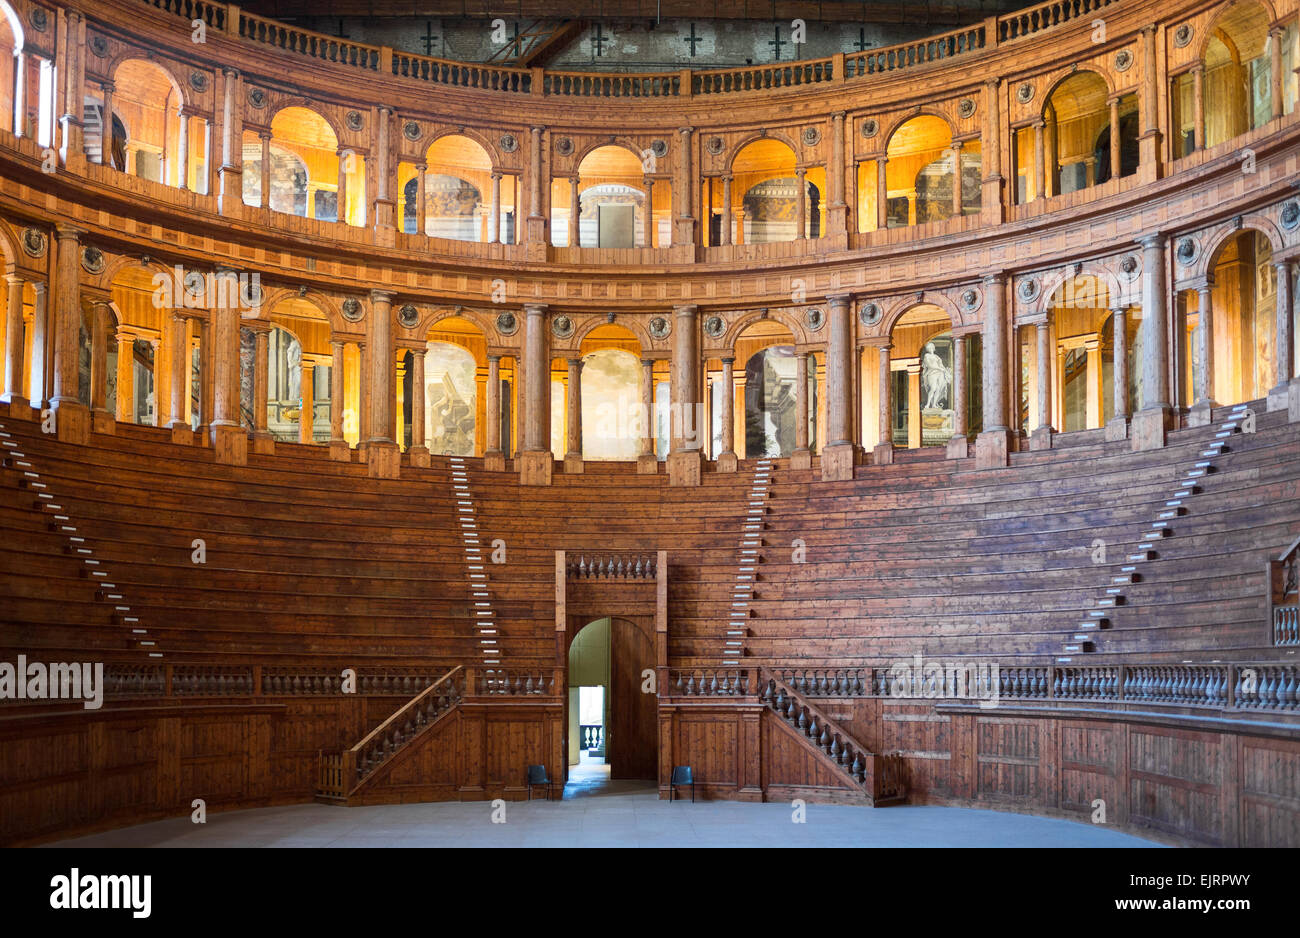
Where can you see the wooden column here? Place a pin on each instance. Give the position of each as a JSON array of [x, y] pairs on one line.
[[536, 207], [1198, 105], [494, 211], [885, 443], [262, 440], [383, 213], [100, 320], [1040, 160], [725, 232], [230, 173], [363, 395], [38, 372], [957, 194], [265, 136], [1203, 392], [159, 384], [1041, 438], [801, 458], [307, 404], [882, 192], [647, 462], [1150, 423], [494, 459], [685, 433], [991, 196], [343, 186], [957, 445], [205, 376], [229, 440], [1275, 35], [421, 175], [1284, 337], [994, 444], [649, 222], [1115, 164], [125, 377], [182, 149], [837, 213], [683, 190], [1092, 345], [573, 418], [838, 453], [383, 456], [914, 405], [338, 445], [14, 340], [106, 124], [801, 203], [71, 70], [1149, 142], [177, 346], [1118, 426], [536, 461], [726, 458], [575, 211], [73, 420], [419, 448]]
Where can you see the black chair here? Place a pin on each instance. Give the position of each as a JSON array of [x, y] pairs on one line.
[[537, 776], [681, 776]]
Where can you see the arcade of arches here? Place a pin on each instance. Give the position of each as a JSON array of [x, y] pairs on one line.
[[921, 285]]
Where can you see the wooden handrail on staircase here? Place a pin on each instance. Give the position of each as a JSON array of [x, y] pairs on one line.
[[879, 776], [340, 774]]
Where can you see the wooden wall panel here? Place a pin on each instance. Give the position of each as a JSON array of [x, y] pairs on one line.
[[1175, 783], [1008, 754]]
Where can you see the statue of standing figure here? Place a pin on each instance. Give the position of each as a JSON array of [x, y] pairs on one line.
[[936, 378]]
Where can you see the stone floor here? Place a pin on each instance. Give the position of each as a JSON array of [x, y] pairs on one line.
[[596, 812]]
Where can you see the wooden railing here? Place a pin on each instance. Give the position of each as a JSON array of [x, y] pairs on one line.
[[763, 77], [611, 566], [502, 682], [612, 85], [911, 54], [400, 729], [711, 682], [213, 14], [216, 680], [313, 45], [1283, 584], [461, 74], [1044, 16]]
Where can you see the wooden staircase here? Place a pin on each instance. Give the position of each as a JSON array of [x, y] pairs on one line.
[[874, 779], [341, 775]]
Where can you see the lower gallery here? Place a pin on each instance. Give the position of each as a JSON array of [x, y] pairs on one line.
[[897, 445]]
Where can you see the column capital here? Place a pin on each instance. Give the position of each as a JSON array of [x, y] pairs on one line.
[[496, 175], [265, 135], [68, 232], [494, 358], [385, 110], [107, 84], [535, 309], [424, 168], [839, 299], [13, 279], [991, 279], [537, 130], [685, 309], [728, 360], [230, 71], [1153, 240], [837, 115], [574, 362], [686, 131], [381, 296]]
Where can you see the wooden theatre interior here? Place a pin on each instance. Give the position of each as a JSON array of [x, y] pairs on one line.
[[915, 425]]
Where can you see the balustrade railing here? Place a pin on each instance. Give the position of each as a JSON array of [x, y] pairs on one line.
[[211, 681], [710, 682], [313, 45], [389, 737], [212, 14], [612, 566], [461, 74], [908, 55], [508, 683], [592, 736], [763, 77], [1286, 625], [1036, 19], [612, 85]]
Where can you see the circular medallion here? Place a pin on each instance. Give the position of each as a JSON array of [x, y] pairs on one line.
[[1027, 290], [194, 283], [562, 327], [814, 318], [507, 323], [411, 130], [970, 299], [659, 147], [870, 128], [352, 309], [1129, 265], [1123, 60], [1291, 215], [811, 136], [250, 292], [257, 97], [199, 81], [659, 328], [563, 146], [869, 314], [354, 120], [39, 18], [966, 107], [1183, 35], [1025, 93], [408, 316], [508, 143], [714, 327], [1187, 251], [714, 146], [92, 258], [34, 242], [99, 46]]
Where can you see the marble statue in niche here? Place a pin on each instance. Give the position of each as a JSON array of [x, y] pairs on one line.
[[936, 379]]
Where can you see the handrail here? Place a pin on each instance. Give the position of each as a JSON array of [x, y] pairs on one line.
[[1035, 19], [402, 712]]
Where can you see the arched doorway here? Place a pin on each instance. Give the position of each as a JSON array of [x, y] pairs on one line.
[[608, 659]]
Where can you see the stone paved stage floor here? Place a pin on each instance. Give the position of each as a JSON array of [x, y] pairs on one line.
[[598, 813]]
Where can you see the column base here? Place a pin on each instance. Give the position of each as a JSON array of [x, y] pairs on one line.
[[1116, 429], [383, 459], [1201, 414], [340, 451], [535, 467], [992, 449], [1279, 398], [494, 461], [419, 456], [101, 421], [726, 462], [19, 409], [264, 444], [1148, 427], [71, 422], [1041, 438], [684, 467], [882, 454], [958, 447], [837, 462], [647, 464], [801, 459], [573, 463], [182, 434], [230, 445]]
